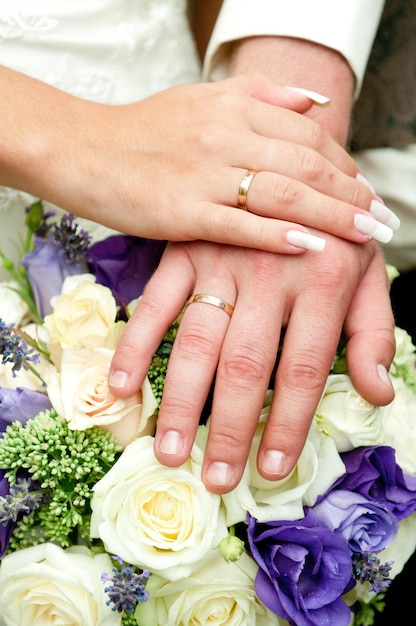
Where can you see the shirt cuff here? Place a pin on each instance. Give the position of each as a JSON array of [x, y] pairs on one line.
[[347, 26]]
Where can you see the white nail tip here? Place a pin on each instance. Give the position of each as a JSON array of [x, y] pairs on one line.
[[313, 95], [369, 226], [361, 179], [305, 240], [384, 215]]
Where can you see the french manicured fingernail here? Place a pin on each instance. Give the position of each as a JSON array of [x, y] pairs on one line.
[[305, 240], [384, 375], [362, 179], [219, 473], [312, 95], [118, 379], [384, 214], [367, 225], [273, 462], [171, 442]]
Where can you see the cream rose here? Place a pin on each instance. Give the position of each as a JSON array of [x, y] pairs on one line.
[[159, 518], [399, 419], [46, 585], [80, 394], [13, 309], [218, 593], [346, 417], [318, 466], [83, 316]]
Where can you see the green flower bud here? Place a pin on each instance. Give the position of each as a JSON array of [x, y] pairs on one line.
[[231, 548]]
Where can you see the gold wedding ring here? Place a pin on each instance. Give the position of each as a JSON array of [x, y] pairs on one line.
[[243, 189], [206, 299]]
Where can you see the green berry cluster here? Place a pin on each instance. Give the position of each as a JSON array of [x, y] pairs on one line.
[[64, 465], [159, 363]]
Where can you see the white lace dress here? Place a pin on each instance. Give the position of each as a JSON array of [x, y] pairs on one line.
[[110, 51]]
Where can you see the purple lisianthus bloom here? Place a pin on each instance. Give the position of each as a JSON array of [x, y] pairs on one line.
[[20, 405], [125, 264], [305, 568], [373, 472], [367, 526], [47, 267]]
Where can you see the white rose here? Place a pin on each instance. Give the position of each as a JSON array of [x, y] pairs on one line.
[[405, 350], [159, 518], [45, 585], [80, 394], [218, 593], [399, 420], [83, 316], [404, 362], [318, 466], [346, 417], [402, 547], [13, 309]]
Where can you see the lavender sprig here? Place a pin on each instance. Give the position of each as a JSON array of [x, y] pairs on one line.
[[367, 568], [127, 588], [19, 500], [71, 241], [14, 349]]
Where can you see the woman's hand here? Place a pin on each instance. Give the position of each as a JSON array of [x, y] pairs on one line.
[[170, 166], [309, 295]]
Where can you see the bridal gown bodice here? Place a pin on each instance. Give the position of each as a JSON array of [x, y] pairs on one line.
[[109, 51]]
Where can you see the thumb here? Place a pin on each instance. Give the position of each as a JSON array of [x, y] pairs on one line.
[[263, 88]]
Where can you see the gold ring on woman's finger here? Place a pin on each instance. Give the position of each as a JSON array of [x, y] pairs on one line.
[[243, 189]]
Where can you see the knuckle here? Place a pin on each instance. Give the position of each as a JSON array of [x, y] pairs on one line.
[[283, 192], [244, 370], [149, 306], [314, 135], [175, 407], [228, 440], [302, 372], [360, 196], [210, 138], [331, 274], [197, 340], [210, 135], [227, 224], [311, 165]]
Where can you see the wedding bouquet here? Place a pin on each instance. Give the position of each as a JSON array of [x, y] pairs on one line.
[[94, 531]]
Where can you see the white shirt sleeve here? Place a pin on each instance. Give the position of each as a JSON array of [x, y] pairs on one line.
[[348, 26]]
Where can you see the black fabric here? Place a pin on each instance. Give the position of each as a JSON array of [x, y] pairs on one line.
[[400, 595], [385, 113]]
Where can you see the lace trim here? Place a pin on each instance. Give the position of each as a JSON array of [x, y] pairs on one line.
[[14, 26]]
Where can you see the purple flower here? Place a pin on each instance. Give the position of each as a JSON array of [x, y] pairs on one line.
[[304, 569], [125, 264], [16, 405], [5, 529], [20, 404], [374, 473], [15, 501], [47, 267], [367, 526]]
